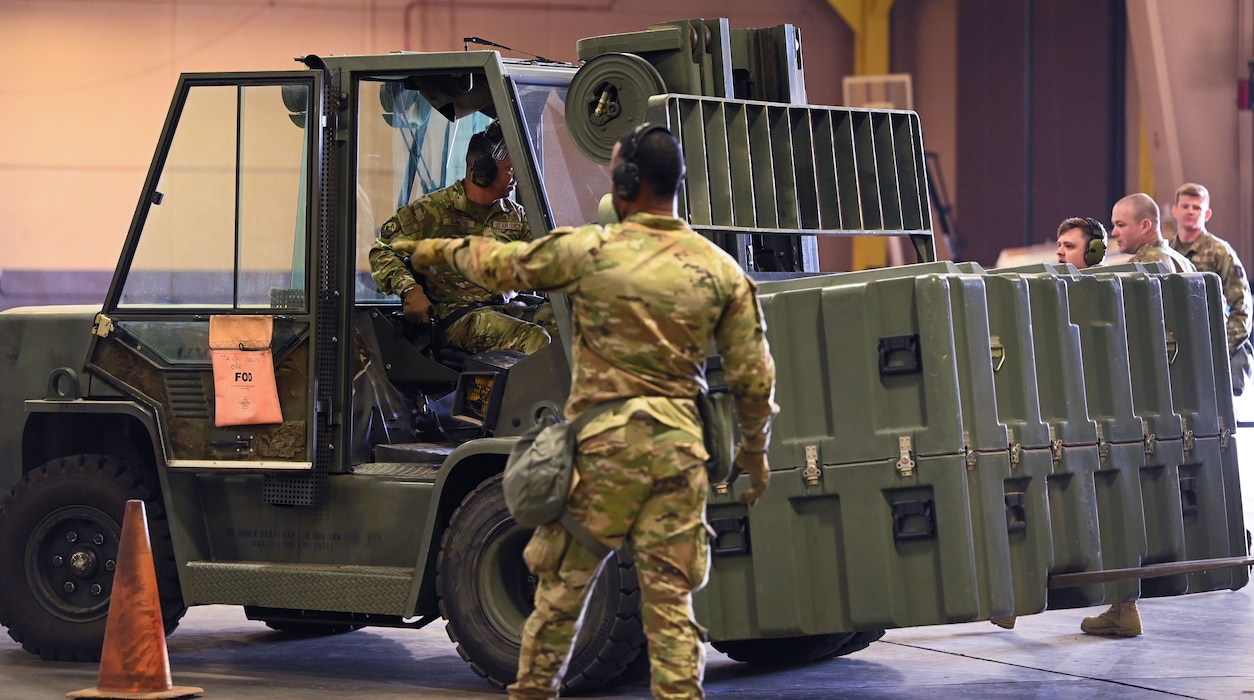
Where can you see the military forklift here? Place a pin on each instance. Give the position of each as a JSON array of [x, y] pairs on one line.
[[375, 499]]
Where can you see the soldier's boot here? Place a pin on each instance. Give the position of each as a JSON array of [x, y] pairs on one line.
[[1007, 623], [1121, 620]]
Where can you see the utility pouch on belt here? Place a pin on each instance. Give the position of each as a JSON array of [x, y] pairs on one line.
[[539, 471], [718, 427]]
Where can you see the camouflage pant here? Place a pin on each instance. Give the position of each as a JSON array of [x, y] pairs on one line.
[[496, 328], [644, 483]]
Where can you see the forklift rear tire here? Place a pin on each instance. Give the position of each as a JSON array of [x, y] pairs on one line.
[[486, 593]]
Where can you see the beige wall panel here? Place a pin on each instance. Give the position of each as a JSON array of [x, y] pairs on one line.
[[64, 219], [925, 45], [1200, 50], [92, 80]]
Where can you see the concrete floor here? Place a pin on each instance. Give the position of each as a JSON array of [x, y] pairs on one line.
[[1194, 646], [1197, 646]]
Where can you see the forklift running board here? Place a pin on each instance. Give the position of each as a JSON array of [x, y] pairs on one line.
[[1084, 578], [381, 590]]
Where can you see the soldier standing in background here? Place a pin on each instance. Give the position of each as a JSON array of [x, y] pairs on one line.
[[466, 315], [1210, 253], [1135, 226], [1082, 244], [648, 296]]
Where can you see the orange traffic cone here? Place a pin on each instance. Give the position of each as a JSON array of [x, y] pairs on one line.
[[134, 663]]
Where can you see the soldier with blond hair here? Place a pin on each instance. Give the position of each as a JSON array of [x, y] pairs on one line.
[[1209, 253]]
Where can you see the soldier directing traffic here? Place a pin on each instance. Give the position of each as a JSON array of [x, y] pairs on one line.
[[648, 296]]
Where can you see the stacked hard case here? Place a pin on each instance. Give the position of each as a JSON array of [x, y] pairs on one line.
[[952, 442]]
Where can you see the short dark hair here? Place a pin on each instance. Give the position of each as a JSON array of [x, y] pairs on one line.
[[1091, 228], [483, 143], [660, 161], [478, 144]]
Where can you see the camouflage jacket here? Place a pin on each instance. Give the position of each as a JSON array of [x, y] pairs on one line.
[[445, 213], [648, 296], [1211, 254], [1158, 251]]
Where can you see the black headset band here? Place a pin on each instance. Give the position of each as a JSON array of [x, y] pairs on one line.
[[631, 145], [1096, 230]]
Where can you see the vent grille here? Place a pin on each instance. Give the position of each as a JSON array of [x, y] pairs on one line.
[[187, 396]]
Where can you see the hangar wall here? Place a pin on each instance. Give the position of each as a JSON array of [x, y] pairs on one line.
[[90, 80]]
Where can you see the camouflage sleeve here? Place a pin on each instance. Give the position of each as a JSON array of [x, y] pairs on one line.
[[525, 233], [549, 264], [387, 267], [747, 365], [1237, 294]]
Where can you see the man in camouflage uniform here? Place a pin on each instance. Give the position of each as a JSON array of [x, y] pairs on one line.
[[1076, 235], [1135, 227], [467, 316], [1212, 254], [648, 296]]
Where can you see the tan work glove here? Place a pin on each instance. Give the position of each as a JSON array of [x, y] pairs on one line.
[[415, 305], [754, 464]]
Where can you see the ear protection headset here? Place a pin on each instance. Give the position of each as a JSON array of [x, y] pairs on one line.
[[626, 175], [483, 168], [1096, 250]]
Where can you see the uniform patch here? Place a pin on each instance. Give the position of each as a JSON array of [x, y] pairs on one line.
[[390, 227], [506, 226], [462, 223]]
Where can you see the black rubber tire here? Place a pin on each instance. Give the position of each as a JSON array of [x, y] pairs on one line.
[[859, 641], [785, 651], [486, 593], [74, 507], [637, 670]]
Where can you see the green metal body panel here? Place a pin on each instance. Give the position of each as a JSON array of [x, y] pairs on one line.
[[1227, 419], [883, 351], [1014, 379], [1148, 357], [1028, 522], [1097, 309], [1059, 362], [33, 341], [867, 549], [1074, 522], [1232, 495], [1120, 514], [1193, 380], [1206, 511], [983, 430]]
